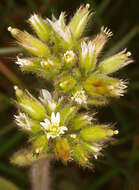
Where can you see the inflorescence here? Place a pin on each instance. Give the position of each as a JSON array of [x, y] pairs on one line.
[[55, 122]]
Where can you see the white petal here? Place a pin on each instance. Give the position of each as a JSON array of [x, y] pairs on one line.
[[95, 156], [64, 128], [57, 119], [46, 94], [48, 136], [52, 105], [46, 124], [53, 118]]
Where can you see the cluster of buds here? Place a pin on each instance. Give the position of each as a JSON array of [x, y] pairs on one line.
[[61, 53]]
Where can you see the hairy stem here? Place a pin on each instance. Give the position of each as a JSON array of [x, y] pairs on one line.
[[39, 174]]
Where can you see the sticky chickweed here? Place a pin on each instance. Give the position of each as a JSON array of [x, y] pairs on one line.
[[55, 122]]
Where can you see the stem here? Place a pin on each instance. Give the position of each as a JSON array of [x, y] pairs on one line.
[[39, 175], [9, 74], [10, 50]]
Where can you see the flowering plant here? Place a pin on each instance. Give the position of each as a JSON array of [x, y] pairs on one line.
[[61, 124]]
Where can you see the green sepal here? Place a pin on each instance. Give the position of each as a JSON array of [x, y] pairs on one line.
[[115, 62], [67, 113], [30, 43], [40, 144], [30, 105], [80, 155], [80, 121], [40, 27], [79, 21], [66, 83]]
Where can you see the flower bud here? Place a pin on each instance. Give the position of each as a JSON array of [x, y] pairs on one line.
[[97, 133], [101, 85], [40, 27], [40, 144], [80, 155], [80, 121], [29, 42], [49, 67], [30, 105], [100, 40], [69, 59], [115, 62], [62, 149], [67, 113], [79, 21], [87, 56], [66, 83], [76, 74]]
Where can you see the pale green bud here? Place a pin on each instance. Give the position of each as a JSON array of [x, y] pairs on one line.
[[80, 121], [40, 144], [101, 85], [76, 74], [50, 66], [62, 149], [40, 27], [66, 83], [115, 62], [80, 155], [97, 133], [100, 40], [30, 105], [29, 42], [67, 113], [69, 59], [87, 56], [79, 21]]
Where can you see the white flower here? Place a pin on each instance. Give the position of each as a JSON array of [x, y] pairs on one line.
[[22, 121], [46, 97], [87, 49], [80, 97], [69, 56], [60, 28], [52, 127]]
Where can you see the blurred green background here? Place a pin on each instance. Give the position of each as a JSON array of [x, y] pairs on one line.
[[119, 167]]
